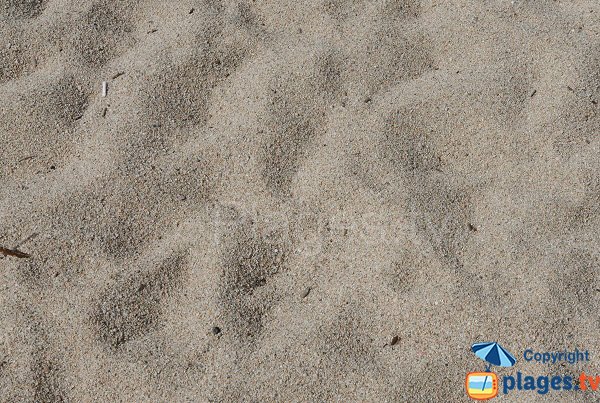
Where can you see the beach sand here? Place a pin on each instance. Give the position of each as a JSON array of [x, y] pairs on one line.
[[295, 201]]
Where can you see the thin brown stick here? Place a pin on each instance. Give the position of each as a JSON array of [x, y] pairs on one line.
[[14, 252], [27, 158], [29, 238]]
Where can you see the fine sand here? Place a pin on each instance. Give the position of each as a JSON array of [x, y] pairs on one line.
[[295, 201]]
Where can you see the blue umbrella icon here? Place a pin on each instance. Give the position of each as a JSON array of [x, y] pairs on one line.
[[493, 354]]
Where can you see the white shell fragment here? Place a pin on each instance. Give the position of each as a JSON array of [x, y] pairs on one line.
[[104, 88]]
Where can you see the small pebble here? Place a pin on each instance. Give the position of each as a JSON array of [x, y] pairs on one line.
[[216, 330], [394, 340], [306, 292]]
